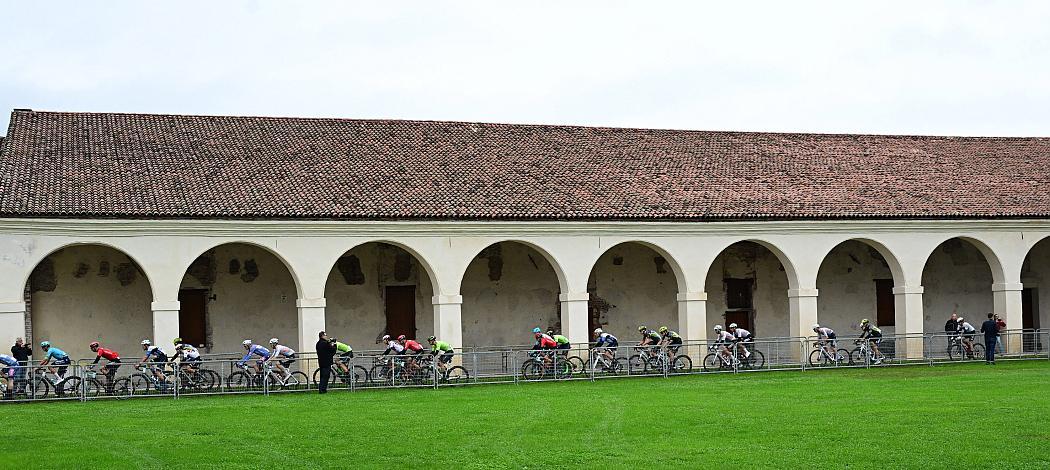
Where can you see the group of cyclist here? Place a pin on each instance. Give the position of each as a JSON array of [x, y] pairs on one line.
[[412, 351], [958, 328]]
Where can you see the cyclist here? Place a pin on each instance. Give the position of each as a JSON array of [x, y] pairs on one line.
[[10, 365], [873, 334], [670, 340], [61, 359], [442, 348], [563, 342], [345, 353], [605, 343], [254, 350], [742, 338], [725, 340], [156, 358], [286, 355], [545, 343], [967, 332], [188, 357], [538, 334], [412, 349], [112, 361], [826, 336]]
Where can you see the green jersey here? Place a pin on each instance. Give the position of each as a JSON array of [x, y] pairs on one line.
[[342, 348], [561, 339], [441, 346]]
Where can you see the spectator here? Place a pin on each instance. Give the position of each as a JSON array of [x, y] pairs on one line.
[[999, 338], [951, 327], [21, 352], [325, 359], [991, 332]]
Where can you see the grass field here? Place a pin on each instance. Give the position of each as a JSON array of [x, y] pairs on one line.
[[937, 417]]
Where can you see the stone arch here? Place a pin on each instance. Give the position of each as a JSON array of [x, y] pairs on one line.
[[953, 281], [547, 255], [28, 273], [416, 255], [852, 281], [276, 254], [616, 304], [769, 312]]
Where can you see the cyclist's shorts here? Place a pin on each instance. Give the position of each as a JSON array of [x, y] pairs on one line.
[[288, 362], [193, 362], [447, 357], [346, 355], [62, 365], [565, 346], [875, 339], [748, 339], [969, 336], [675, 341]]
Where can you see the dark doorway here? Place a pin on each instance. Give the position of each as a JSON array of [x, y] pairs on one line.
[[885, 304], [401, 311], [1029, 320], [740, 303], [192, 310]]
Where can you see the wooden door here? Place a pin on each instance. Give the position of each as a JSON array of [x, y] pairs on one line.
[[192, 313], [885, 304], [401, 311], [742, 318]]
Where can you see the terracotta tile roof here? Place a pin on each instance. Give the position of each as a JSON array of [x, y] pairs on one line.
[[138, 166]]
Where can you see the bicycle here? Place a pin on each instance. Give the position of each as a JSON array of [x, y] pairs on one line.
[[607, 365], [145, 379], [356, 374], [22, 388], [197, 379], [820, 357], [272, 379], [452, 375], [957, 350], [537, 368], [863, 352], [59, 385], [755, 360], [718, 360], [650, 360]]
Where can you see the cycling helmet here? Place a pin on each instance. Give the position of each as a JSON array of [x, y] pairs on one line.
[[45, 344], [960, 319], [176, 340], [402, 338], [431, 338], [732, 325], [385, 338], [93, 345], [663, 329], [718, 327], [864, 321], [643, 328], [146, 342], [273, 341], [816, 326], [537, 334], [597, 331], [550, 332], [247, 342], [536, 330]]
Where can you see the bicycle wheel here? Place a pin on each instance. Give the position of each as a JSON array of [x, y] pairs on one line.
[[842, 357], [955, 352], [577, 363], [635, 364], [237, 380], [122, 388], [532, 370], [38, 389], [297, 381], [360, 376], [756, 359], [140, 384], [423, 376], [711, 363], [681, 364], [381, 375], [856, 356], [456, 374], [978, 352], [93, 388], [69, 386], [562, 369], [817, 358], [211, 379]]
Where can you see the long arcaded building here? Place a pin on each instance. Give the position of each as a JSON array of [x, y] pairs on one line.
[[120, 227]]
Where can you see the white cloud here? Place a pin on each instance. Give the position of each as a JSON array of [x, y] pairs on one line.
[[883, 67]]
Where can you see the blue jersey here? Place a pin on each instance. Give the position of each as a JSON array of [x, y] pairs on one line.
[[256, 350], [607, 340], [8, 360], [56, 354]]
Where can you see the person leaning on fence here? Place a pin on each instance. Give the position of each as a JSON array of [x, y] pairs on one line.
[[325, 359], [21, 352], [991, 333], [951, 327], [1001, 325]]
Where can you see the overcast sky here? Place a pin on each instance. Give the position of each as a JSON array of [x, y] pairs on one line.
[[962, 68]]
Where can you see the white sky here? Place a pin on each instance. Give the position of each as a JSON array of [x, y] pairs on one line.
[[961, 68]]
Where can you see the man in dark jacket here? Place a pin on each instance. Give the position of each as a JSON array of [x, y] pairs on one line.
[[951, 327], [991, 334], [21, 352], [325, 358]]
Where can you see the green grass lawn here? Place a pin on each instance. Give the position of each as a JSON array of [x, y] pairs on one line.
[[947, 416]]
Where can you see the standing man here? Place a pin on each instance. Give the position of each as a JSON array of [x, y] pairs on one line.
[[325, 358], [991, 332], [951, 327], [21, 353], [999, 337]]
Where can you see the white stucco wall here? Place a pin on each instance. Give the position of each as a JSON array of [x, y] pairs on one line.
[[847, 286], [1036, 274], [633, 293], [91, 306], [956, 277], [769, 296]]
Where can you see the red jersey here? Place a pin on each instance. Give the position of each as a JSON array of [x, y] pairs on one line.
[[546, 342], [413, 345], [108, 354]]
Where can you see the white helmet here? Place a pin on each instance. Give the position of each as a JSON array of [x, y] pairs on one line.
[[816, 326], [718, 327], [732, 325], [386, 337], [246, 342], [273, 340], [597, 331], [146, 342]]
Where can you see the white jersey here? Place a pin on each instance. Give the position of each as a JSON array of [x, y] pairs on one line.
[[187, 351], [285, 351], [742, 333], [397, 347], [966, 327], [725, 337]]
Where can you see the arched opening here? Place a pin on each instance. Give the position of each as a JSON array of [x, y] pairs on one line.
[[956, 279], [855, 282], [508, 289], [234, 292], [630, 285], [84, 293], [378, 288], [747, 284], [1035, 296]]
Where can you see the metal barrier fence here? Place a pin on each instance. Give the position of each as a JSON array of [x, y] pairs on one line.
[[221, 375]]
